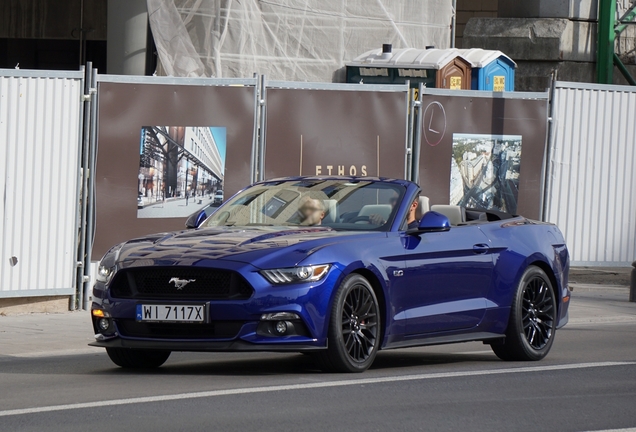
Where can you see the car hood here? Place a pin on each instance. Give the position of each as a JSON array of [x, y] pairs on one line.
[[259, 246]]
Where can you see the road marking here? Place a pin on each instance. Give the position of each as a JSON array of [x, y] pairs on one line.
[[616, 430], [603, 320], [324, 384], [57, 353]]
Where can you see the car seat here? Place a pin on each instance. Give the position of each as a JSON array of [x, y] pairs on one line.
[[455, 214]]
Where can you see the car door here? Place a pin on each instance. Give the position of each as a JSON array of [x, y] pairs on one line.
[[448, 275]]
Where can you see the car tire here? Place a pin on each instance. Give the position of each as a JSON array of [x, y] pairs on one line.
[[533, 319], [354, 328], [137, 358]]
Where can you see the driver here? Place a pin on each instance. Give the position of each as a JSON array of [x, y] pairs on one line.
[[377, 219], [311, 211], [411, 219]]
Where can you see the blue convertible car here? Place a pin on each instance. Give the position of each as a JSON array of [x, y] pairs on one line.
[[338, 267]]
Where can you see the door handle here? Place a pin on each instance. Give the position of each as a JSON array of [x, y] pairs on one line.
[[481, 248]]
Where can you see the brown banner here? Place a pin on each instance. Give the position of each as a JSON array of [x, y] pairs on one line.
[[123, 110], [483, 152], [319, 132]]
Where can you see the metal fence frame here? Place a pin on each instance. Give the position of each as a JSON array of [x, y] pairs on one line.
[[50, 113], [490, 95], [590, 188], [92, 148], [391, 88]]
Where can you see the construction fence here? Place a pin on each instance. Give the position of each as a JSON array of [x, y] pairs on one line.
[[91, 160]]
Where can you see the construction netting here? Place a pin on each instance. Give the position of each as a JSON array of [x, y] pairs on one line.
[[296, 40]]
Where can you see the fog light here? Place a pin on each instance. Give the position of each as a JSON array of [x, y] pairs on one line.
[[281, 327], [103, 324]]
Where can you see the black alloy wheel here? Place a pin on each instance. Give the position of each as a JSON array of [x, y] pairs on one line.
[[533, 319], [354, 328], [538, 313]]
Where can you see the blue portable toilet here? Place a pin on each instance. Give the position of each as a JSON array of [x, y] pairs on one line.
[[492, 69]]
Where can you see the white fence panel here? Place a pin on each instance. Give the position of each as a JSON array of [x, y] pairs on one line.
[[40, 130], [591, 191]]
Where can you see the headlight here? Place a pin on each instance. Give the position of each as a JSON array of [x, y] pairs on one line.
[[108, 264], [296, 274], [105, 274]]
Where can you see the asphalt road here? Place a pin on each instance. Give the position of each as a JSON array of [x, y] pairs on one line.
[[588, 382]]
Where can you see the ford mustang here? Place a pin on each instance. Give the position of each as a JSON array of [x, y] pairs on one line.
[[336, 267]]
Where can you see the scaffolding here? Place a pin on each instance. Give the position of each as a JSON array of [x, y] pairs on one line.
[[609, 28]]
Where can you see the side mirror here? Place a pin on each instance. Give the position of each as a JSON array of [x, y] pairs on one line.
[[432, 222], [195, 219]]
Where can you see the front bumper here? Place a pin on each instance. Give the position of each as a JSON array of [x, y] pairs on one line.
[[204, 346], [235, 325]]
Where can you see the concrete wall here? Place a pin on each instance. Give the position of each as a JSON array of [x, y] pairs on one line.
[[467, 9], [571, 9], [52, 19]]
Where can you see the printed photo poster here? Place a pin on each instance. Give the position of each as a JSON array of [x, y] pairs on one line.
[[164, 149], [181, 168], [476, 143], [485, 171]]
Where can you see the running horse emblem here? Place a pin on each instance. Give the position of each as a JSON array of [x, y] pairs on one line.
[[180, 283]]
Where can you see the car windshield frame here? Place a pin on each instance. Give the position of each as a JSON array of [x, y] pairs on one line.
[[345, 204]]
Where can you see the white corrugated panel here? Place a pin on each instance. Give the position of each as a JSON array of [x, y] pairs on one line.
[[39, 148], [591, 192]]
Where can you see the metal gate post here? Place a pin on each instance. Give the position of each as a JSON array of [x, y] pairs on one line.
[[90, 220], [546, 186], [410, 118], [78, 203], [417, 143], [262, 103], [255, 141], [81, 257]]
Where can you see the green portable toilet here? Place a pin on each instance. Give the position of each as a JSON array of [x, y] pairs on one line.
[[436, 68]]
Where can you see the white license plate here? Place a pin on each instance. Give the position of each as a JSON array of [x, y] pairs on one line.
[[171, 313]]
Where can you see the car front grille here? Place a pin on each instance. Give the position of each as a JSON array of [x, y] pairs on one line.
[[157, 330], [179, 283]]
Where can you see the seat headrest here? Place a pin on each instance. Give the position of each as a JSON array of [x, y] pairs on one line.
[[331, 211], [422, 207], [455, 214]]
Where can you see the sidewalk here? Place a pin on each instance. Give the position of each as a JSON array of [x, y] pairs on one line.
[[46, 335], [601, 275]]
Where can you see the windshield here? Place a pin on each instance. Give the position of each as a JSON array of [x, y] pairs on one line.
[[338, 204]]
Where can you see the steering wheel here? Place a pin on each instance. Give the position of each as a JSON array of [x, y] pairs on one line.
[[360, 219]]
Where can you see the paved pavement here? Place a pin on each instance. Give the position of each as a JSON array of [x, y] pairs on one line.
[[173, 207], [32, 335]]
